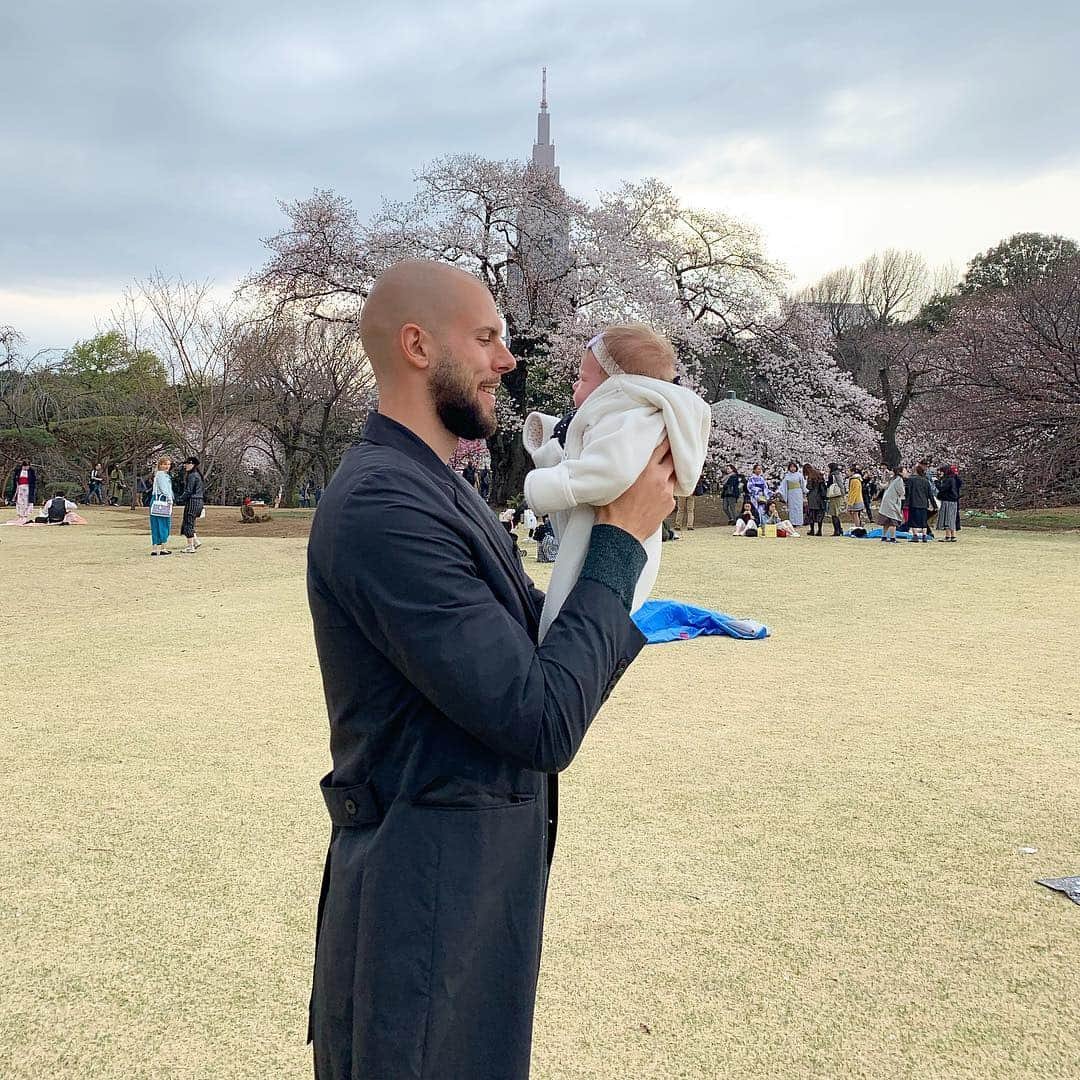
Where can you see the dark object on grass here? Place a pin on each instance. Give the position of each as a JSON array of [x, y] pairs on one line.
[[248, 515], [1070, 886]]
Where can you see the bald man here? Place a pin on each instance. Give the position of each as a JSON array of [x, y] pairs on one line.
[[448, 724]]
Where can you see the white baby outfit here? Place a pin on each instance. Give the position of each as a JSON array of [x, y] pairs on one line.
[[608, 444]]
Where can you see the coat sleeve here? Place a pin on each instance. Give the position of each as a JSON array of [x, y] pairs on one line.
[[614, 452], [409, 580]]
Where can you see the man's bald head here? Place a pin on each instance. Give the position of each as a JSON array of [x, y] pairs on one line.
[[416, 292]]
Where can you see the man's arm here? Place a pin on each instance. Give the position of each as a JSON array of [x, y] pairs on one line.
[[409, 580]]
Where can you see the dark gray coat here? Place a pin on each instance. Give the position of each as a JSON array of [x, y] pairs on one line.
[[447, 725]]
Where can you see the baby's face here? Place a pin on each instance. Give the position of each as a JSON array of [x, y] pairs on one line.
[[590, 376]]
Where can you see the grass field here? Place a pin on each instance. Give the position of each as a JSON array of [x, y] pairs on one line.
[[789, 858]]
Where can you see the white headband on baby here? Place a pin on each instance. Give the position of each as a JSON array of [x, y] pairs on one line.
[[603, 357]]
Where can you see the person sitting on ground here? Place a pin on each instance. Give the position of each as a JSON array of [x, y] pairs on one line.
[[628, 406], [248, 515], [547, 547], [56, 510], [746, 523], [772, 517]]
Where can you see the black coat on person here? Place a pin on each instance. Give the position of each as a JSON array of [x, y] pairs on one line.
[[31, 477], [447, 727]]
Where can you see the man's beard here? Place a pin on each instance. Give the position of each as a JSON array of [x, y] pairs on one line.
[[456, 400]]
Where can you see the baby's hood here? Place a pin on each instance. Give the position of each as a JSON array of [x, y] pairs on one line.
[[687, 418]]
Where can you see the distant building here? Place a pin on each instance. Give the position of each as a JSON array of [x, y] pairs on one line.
[[732, 405], [543, 228]]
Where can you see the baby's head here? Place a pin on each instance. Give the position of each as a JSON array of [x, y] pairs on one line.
[[627, 349]]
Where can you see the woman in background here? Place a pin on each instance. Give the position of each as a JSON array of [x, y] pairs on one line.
[[192, 500], [25, 483], [758, 492], [836, 492], [948, 490], [855, 503], [891, 510], [816, 499], [792, 492], [919, 494], [161, 493]]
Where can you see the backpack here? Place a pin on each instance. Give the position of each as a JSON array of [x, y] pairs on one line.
[[57, 510]]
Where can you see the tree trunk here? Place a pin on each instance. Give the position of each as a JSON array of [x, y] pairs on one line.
[[890, 451], [509, 464]]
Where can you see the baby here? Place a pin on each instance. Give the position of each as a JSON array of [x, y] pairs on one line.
[[627, 404]]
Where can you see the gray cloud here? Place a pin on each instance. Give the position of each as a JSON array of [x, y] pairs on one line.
[[138, 135]]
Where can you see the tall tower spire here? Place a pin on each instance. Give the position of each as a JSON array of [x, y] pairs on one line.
[[543, 155]]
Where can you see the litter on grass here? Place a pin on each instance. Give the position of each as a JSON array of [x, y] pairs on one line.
[[1070, 886]]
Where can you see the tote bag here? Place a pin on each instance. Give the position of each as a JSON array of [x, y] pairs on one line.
[[161, 507]]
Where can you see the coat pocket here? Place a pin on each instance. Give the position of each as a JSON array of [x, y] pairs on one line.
[[454, 793]]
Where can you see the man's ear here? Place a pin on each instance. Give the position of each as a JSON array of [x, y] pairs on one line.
[[417, 346]]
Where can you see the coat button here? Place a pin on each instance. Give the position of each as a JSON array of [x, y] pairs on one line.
[[350, 807]]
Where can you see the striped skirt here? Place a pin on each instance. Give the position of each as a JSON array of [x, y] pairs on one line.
[[948, 514]]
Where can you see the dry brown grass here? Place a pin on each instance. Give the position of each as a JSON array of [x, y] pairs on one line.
[[790, 858]]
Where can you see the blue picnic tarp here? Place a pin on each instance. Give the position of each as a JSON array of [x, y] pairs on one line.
[[670, 620], [875, 534]]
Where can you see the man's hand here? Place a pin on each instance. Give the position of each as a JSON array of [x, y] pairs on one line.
[[643, 506]]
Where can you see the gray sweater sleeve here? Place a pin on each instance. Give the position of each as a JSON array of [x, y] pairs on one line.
[[614, 559]]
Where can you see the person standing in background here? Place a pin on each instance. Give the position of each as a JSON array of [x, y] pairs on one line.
[[684, 504], [116, 485], [161, 493], [870, 489], [758, 492], [836, 492], [792, 492], [97, 479], [816, 499], [949, 502], [191, 498], [891, 512], [24, 483], [919, 494], [731, 494], [855, 503]]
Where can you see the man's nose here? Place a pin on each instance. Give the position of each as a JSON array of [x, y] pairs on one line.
[[507, 361]]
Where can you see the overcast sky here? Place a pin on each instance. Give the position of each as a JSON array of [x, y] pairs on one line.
[[138, 135]]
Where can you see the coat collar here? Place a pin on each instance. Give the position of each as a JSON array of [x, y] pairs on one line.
[[386, 432]]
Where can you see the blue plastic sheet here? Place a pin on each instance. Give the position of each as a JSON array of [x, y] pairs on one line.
[[670, 620], [875, 534]]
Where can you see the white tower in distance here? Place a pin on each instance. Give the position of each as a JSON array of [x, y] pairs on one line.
[[540, 274], [543, 155]]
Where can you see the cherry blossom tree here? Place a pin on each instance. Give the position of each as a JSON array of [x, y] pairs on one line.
[[1008, 363], [701, 277]]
